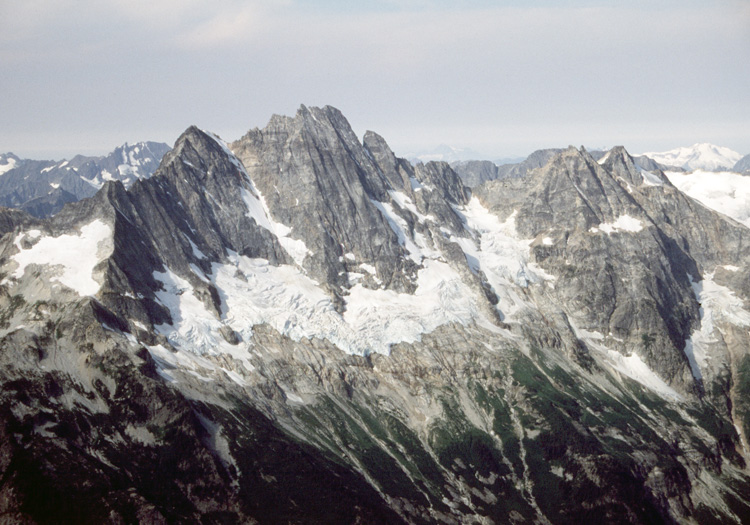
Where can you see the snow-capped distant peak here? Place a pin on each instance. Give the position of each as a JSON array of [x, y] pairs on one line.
[[702, 156], [8, 161]]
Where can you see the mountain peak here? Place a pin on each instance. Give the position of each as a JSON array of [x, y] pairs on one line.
[[699, 156], [299, 327], [8, 161]]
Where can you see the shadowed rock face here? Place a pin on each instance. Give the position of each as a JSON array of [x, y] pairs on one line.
[[475, 172], [317, 179], [574, 344]]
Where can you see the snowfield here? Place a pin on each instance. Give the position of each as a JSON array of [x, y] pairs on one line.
[[726, 192], [8, 165], [254, 292], [72, 257]]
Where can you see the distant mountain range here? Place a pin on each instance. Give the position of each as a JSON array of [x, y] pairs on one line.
[[698, 157], [451, 154], [300, 327], [42, 188]]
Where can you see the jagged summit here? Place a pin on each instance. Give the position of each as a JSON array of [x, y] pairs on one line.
[[301, 327], [627, 168], [42, 188]]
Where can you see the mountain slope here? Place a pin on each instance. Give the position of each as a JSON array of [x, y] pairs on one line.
[[301, 327]]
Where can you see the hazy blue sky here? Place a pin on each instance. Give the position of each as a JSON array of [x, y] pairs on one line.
[[503, 78]]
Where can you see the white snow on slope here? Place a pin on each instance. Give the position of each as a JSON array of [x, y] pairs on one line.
[[631, 366], [499, 252], [74, 257], [9, 164], [254, 292], [128, 171], [698, 156], [634, 367], [718, 305], [193, 326], [377, 319], [649, 179], [296, 306], [725, 192], [257, 209], [401, 229], [623, 223], [406, 203]]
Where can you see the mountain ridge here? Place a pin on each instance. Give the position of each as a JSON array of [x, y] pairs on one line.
[[44, 187], [299, 326]]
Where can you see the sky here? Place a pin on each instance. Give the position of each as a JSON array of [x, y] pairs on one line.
[[502, 78]]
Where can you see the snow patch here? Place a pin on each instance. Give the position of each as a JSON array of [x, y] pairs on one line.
[[196, 251], [650, 179], [406, 203], [128, 172], [378, 319], [374, 320], [498, 251], [193, 326], [107, 176], [197, 271], [401, 229], [725, 192], [74, 257], [634, 367], [415, 184], [631, 366], [93, 182], [718, 305], [257, 209], [624, 223]]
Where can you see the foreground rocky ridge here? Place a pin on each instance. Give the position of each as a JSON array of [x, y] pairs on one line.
[[301, 327]]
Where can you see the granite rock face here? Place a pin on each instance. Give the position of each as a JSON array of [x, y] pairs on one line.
[[301, 327], [475, 172], [318, 180]]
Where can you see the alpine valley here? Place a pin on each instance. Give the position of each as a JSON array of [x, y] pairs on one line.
[[300, 327]]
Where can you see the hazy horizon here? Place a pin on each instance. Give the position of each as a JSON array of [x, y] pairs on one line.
[[500, 78]]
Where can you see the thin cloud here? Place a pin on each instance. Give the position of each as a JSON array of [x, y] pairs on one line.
[[437, 72]]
